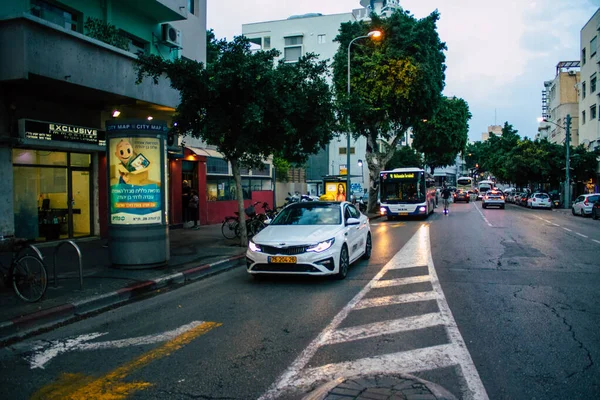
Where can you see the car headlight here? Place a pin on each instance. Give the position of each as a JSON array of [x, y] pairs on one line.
[[254, 247], [317, 248]]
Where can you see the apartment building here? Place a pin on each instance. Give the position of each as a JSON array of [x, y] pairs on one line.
[[495, 129], [589, 100], [60, 81], [559, 99]]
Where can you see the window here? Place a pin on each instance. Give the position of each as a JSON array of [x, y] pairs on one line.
[[593, 110], [321, 39], [583, 94], [223, 188], [216, 165], [293, 48], [583, 117], [191, 6], [593, 84], [583, 56], [264, 171], [343, 150], [593, 46], [267, 42], [60, 16]]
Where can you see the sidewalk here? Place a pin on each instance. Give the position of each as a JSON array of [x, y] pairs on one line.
[[194, 254]]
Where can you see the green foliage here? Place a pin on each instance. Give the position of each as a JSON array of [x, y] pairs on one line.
[[282, 167], [395, 81], [105, 32], [528, 163], [247, 105], [404, 157], [445, 135]]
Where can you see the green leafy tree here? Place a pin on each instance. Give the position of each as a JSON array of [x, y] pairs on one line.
[[584, 163], [395, 82], [404, 157], [248, 106], [445, 135]]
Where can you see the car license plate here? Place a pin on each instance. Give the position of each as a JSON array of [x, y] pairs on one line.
[[282, 260], [403, 213]]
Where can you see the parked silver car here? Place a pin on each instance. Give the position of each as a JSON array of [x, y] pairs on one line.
[[583, 204]]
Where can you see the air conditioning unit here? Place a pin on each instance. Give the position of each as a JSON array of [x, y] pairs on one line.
[[572, 73], [171, 36], [174, 143]]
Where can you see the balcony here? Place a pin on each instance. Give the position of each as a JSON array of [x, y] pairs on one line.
[[159, 10], [31, 46]]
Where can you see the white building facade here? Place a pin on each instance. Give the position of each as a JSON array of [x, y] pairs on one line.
[[589, 100]]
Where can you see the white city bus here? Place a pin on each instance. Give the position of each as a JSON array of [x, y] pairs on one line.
[[464, 183], [406, 191]]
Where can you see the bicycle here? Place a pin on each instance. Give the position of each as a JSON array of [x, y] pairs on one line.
[[27, 274], [231, 229]]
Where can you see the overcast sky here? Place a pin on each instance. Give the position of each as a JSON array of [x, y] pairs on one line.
[[500, 52]]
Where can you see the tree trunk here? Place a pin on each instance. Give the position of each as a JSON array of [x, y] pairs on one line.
[[374, 170], [235, 166]]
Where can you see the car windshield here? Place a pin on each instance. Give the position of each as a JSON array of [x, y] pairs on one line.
[[309, 214]]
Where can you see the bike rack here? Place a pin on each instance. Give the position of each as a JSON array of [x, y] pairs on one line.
[[31, 247], [80, 262]]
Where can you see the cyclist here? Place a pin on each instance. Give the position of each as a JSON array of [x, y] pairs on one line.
[[445, 196]]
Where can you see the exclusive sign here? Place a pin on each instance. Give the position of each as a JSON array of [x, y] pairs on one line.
[[64, 133]]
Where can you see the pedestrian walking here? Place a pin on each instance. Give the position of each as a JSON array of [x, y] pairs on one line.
[[186, 193], [193, 206]]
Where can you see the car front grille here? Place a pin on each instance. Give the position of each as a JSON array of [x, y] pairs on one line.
[[284, 268], [287, 251]]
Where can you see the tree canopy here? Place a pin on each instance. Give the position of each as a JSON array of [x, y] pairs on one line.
[[395, 82], [248, 105], [443, 137]]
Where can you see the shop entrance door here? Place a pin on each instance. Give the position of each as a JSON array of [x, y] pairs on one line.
[[79, 204]]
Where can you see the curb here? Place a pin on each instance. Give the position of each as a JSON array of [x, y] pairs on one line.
[[21, 327]]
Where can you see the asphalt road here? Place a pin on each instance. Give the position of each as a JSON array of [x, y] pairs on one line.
[[522, 296]]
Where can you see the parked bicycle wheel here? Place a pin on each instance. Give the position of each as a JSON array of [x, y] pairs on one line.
[[256, 226], [229, 228], [29, 278]]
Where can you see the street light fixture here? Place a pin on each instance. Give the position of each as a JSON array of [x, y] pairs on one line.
[[567, 128], [362, 174], [372, 35]]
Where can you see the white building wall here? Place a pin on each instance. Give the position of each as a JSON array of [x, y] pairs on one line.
[[193, 32], [589, 129]]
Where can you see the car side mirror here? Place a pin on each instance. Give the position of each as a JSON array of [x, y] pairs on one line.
[[267, 221], [352, 221]]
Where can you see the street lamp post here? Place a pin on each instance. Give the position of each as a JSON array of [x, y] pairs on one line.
[[567, 128], [362, 174], [372, 34]]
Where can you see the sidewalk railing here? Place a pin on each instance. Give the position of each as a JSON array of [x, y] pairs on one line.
[[78, 250]]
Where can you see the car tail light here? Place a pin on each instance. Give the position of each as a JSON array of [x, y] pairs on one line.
[[485, 197], [501, 197], [533, 199], [585, 202]]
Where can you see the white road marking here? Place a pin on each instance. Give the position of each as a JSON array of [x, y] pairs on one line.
[[546, 220], [417, 252], [401, 281], [482, 216], [398, 299], [384, 328], [44, 353], [567, 229], [580, 234], [597, 241], [555, 224]]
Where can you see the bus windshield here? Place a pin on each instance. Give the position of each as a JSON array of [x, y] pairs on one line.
[[403, 191], [464, 182]]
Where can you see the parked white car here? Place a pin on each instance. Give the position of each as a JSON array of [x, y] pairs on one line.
[[583, 204], [539, 200], [311, 238]]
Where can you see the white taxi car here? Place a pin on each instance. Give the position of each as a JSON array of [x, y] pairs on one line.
[[311, 238], [539, 200], [493, 198]]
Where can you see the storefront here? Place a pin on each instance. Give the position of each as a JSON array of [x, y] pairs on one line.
[[54, 180]]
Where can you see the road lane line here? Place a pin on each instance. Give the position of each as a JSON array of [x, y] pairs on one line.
[[384, 328], [417, 360], [597, 241], [299, 378], [546, 220], [555, 224], [401, 281], [567, 229], [398, 299], [580, 234], [482, 216], [112, 386]]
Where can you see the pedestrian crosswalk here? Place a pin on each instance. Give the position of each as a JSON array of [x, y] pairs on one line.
[[388, 297]]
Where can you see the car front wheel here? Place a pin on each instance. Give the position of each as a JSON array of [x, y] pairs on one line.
[[344, 264], [368, 248]]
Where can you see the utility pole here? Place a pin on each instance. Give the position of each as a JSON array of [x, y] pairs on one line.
[[567, 202]]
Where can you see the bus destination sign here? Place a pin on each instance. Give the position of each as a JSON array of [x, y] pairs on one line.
[[405, 175]]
